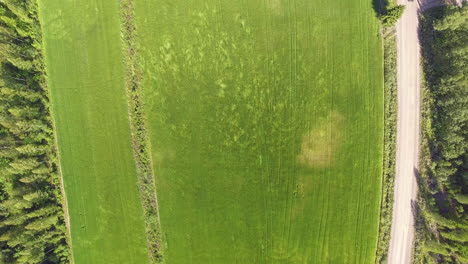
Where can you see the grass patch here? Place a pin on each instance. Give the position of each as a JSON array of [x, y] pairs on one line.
[[319, 146]]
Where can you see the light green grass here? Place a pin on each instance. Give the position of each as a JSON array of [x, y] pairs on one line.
[[266, 123], [86, 78]]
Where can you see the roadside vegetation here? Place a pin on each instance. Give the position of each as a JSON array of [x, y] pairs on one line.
[[32, 225], [390, 131], [382, 8], [442, 221]]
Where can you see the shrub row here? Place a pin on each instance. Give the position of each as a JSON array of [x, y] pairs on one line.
[[141, 149], [390, 130]]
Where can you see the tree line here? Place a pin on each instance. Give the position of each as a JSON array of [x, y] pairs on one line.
[[32, 226], [442, 221]]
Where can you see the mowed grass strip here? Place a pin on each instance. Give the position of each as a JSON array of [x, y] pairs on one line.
[[86, 78], [266, 123]]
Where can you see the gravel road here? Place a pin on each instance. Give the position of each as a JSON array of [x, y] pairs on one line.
[[402, 235]]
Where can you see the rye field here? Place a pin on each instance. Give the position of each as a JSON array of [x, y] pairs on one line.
[[266, 128], [86, 78], [265, 124]]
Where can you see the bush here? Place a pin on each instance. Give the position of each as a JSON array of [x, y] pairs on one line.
[[391, 16]]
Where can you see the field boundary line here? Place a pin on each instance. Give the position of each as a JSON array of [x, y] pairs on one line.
[[140, 141], [62, 189], [56, 148]]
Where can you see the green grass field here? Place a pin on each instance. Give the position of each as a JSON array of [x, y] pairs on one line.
[[86, 78], [266, 122]]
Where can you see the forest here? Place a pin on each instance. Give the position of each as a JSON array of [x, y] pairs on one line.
[[442, 222], [32, 225]]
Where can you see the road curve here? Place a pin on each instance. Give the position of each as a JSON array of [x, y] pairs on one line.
[[407, 156]]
